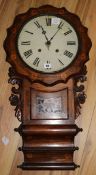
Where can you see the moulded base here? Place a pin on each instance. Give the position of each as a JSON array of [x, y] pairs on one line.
[[48, 166]]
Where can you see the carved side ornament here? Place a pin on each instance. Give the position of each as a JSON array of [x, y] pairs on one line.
[[15, 98], [79, 91]]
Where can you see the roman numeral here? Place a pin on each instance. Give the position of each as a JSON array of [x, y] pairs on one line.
[[28, 53], [47, 65], [36, 62], [25, 43], [68, 54], [71, 42], [60, 25], [48, 21], [37, 24], [60, 62], [29, 32], [68, 32]]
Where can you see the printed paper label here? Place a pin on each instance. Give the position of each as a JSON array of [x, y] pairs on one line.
[[56, 21]]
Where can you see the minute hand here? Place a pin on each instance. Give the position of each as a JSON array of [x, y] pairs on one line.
[[54, 34]]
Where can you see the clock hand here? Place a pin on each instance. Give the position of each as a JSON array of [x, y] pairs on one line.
[[54, 34], [48, 43], [40, 27], [44, 32], [59, 27]]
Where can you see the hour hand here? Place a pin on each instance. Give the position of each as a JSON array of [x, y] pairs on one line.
[[40, 27], [44, 33]]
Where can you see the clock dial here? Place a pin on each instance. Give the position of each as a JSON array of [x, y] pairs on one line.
[[47, 43]]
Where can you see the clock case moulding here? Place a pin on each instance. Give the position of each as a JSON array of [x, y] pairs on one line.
[[47, 143]]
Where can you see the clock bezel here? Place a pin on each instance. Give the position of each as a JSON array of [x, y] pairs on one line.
[[63, 75], [40, 71]]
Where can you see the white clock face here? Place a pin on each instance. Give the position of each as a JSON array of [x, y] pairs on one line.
[[47, 43]]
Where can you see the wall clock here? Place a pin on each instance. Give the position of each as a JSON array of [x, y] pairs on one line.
[[47, 48]]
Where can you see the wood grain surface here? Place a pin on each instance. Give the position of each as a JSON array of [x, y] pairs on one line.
[[9, 155]]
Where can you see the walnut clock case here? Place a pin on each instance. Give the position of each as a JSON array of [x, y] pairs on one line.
[[47, 48]]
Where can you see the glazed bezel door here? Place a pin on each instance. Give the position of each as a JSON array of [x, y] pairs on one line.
[[47, 47]]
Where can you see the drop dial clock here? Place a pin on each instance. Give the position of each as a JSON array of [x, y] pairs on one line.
[[47, 48]]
